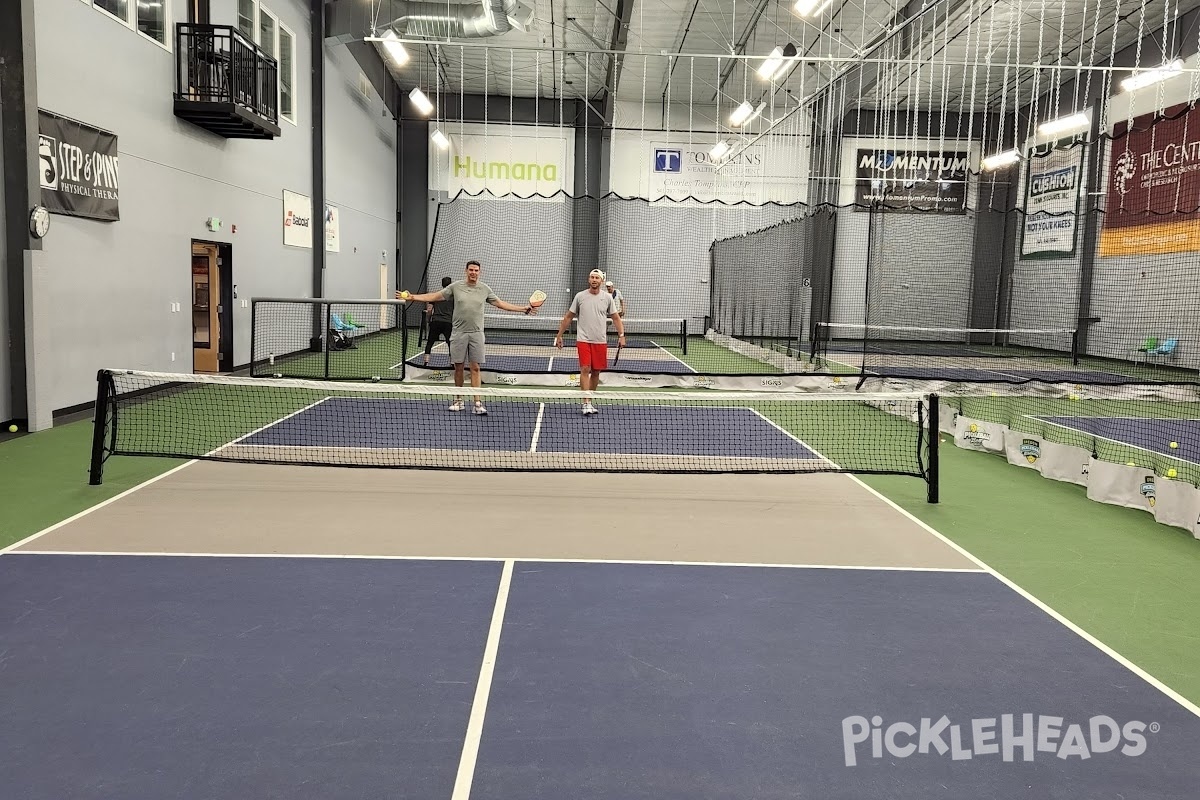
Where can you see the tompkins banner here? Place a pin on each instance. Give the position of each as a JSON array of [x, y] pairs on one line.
[[1052, 185], [1153, 199], [77, 165], [911, 180]]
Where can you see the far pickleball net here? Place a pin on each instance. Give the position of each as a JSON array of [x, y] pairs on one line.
[[290, 421]]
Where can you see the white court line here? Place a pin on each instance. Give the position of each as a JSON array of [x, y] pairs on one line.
[[686, 365], [983, 566], [470, 751], [132, 489], [791, 436], [513, 558], [1169, 692], [1120, 659], [1116, 441], [537, 428]]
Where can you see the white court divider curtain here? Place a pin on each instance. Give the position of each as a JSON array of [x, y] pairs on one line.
[[947, 417], [1023, 449], [973, 434], [1178, 505], [1059, 462], [1122, 485], [1062, 462]]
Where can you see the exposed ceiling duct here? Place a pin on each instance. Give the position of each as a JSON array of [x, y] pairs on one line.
[[434, 20]]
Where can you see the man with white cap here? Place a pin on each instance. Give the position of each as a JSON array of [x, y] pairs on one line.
[[612, 289], [594, 307]]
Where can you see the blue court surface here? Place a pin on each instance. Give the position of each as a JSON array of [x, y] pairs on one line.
[[1153, 435], [567, 363], [140, 677], [382, 423]]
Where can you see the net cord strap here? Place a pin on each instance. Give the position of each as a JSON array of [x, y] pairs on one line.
[[400, 390]]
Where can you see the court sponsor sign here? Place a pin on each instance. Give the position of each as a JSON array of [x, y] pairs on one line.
[[1010, 737], [1153, 198], [297, 219], [681, 171], [1052, 183], [77, 167], [523, 162], [911, 180], [333, 230]]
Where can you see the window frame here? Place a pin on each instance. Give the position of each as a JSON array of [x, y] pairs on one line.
[[166, 6], [279, 29], [130, 20]]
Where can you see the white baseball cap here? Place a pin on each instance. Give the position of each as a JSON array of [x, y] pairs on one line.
[[596, 272], [609, 283]]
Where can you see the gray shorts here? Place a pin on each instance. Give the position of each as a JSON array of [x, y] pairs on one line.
[[466, 348]]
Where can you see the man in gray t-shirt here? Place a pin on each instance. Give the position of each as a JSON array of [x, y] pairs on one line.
[[594, 307], [466, 337]]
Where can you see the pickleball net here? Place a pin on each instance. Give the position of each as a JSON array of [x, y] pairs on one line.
[[389, 425]]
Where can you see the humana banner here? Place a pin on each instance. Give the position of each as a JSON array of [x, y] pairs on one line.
[[77, 165]]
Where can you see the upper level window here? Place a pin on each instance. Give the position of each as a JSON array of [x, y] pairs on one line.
[[152, 19], [147, 17]]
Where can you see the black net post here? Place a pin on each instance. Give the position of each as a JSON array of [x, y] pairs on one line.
[[253, 342], [328, 343], [935, 440], [100, 423]]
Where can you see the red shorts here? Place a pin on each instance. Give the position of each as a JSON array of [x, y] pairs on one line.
[[592, 355]]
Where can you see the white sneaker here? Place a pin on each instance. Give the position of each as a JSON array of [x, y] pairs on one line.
[[588, 408], [457, 405], [479, 409]]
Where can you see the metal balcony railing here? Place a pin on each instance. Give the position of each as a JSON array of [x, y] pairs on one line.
[[217, 64]]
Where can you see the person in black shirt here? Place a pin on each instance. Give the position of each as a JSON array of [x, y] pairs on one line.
[[441, 319]]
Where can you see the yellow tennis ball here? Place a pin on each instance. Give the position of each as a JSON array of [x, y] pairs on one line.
[[1130, 464], [1074, 397], [1171, 473], [12, 428], [1174, 445], [405, 295], [974, 428]]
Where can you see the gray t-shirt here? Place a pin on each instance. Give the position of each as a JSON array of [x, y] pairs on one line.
[[469, 304], [593, 311]]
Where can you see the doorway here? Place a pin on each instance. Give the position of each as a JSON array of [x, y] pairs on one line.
[[212, 307]]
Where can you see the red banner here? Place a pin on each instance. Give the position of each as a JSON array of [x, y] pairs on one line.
[[1154, 185]]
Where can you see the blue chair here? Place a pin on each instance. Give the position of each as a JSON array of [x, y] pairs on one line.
[[340, 332], [1165, 350]]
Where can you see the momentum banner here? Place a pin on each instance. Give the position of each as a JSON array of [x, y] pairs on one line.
[[1052, 184], [1153, 202], [911, 180], [78, 168]]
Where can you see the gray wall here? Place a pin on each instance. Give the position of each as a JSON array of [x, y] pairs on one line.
[[658, 253], [112, 284]]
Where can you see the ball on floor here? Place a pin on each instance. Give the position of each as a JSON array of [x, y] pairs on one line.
[[12, 428]]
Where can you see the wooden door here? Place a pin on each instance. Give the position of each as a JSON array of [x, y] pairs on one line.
[[206, 300]]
